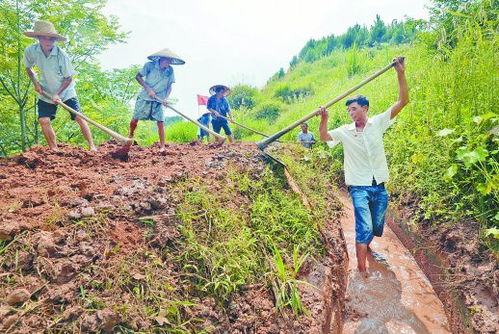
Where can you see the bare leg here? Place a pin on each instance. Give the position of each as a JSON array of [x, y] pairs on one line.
[[86, 133], [48, 132], [161, 132], [133, 125], [361, 250], [231, 138]]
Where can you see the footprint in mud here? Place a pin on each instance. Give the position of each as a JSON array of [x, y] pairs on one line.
[[378, 299]]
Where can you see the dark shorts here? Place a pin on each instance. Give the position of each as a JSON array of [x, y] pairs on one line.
[[217, 126], [46, 109]]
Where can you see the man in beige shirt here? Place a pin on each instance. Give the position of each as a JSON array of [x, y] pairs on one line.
[[366, 169]]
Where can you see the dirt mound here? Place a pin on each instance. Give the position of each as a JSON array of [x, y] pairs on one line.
[[463, 273], [88, 243]]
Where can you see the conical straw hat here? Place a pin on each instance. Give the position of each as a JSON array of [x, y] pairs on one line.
[[166, 53], [44, 28], [227, 90]]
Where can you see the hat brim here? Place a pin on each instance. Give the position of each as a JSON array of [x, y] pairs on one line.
[[33, 34], [227, 90], [173, 61]]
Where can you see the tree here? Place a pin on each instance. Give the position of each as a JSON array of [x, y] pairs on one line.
[[89, 32], [378, 31], [242, 96], [278, 75]]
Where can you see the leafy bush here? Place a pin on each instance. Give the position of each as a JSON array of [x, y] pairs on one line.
[[290, 95], [242, 96], [269, 111]]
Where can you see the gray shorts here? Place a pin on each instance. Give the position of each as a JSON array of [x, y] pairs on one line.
[[148, 110]]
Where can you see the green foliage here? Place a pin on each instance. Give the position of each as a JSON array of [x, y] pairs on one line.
[[442, 151], [218, 248], [226, 246], [181, 132], [289, 95], [277, 76], [284, 283], [269, 111], [89, 33], [360, 36], [242, 96], [450, 18]]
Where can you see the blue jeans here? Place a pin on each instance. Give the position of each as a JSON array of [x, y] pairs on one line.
[[370, 203]]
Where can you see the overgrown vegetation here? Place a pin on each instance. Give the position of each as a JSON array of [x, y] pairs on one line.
[[443, 150], [225, 246]]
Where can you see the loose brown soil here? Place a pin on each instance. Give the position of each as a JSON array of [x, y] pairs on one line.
[[464, 274], [80, 255]]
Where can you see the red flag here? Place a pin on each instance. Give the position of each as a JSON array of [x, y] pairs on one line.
[[202, 100]]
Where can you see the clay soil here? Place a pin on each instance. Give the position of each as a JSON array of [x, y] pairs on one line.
[[463, 272], [74, 245]]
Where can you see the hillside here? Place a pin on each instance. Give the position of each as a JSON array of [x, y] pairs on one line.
[[195, 240]]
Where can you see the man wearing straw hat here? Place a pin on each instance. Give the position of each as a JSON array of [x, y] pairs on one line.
[[157, 86], [220, 109], [365, 166], [56, 79]]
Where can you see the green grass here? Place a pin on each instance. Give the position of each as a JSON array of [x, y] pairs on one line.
[[442, 150], [225, 247]]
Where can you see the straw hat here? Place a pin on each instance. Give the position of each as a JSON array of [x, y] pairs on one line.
[[166, 53], [213, 92], [44, 28]]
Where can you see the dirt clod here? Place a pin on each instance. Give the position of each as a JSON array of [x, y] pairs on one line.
[[8, 230], [17, 296]]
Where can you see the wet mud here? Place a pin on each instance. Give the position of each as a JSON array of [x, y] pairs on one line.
[[396, 297]]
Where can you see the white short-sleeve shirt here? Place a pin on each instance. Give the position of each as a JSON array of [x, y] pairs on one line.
[[54, 69], [364, 152]]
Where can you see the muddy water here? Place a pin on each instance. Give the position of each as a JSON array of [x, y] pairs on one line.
[[396, 297]]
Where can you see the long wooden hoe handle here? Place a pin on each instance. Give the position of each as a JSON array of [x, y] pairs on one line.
[[244, 126], [264, 143], [194, 121], [110, 132]]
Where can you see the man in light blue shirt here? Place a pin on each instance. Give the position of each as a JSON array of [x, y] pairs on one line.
[[156, 87], [305, 137], [56, 79]]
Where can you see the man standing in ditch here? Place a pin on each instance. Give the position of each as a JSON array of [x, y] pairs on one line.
[[56, 79], [365, 166]]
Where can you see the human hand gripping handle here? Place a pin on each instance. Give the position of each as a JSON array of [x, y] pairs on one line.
[[152, 94], [399, 64], [56, 98]]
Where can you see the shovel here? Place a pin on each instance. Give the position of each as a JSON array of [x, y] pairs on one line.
[[264, 143], [121, 153]]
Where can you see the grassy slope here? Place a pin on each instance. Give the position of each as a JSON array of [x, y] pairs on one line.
[[453, 174]]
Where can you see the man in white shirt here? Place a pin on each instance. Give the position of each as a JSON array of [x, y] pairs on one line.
[[366, 169]]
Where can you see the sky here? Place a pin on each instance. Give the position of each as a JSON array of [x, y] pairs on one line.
[[235, 42]]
